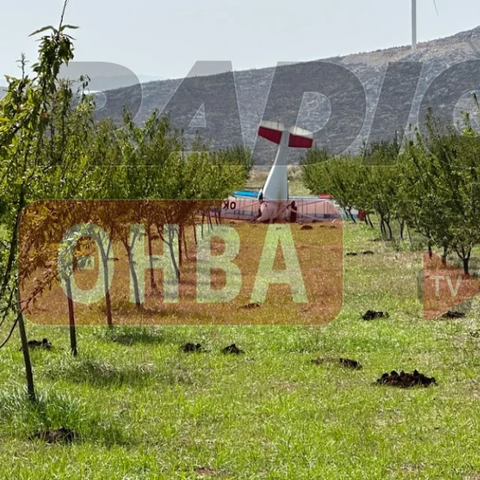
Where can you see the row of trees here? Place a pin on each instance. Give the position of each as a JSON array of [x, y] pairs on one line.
[[428, 185], [52, 147]]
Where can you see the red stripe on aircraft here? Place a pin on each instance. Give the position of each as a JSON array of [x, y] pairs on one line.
[[274, 136], [300, 142]]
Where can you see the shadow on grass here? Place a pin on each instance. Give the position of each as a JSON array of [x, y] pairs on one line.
[[22, 418], [139, 335], [101, 374]]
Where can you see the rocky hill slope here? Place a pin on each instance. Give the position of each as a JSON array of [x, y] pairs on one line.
[[346, 101]]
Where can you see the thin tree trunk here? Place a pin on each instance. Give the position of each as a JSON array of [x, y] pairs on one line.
[[26, 358], [185, 246], [466, 266], [349, 211], [133, 274], [390, 233], [409, 234], [71, 319], [108, 303], [153, 286], [169, 243], [13, 246], [444, 256], [171, 237], [180, 250], [136, 290], [108, 306], [383, 230]]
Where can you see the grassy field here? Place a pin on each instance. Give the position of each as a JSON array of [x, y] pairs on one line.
[[144, 409]]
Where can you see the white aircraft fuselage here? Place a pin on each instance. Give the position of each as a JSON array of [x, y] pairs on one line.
[[274, 195]]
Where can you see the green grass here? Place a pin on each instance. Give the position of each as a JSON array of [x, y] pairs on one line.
[[296, 187], [144, 409]]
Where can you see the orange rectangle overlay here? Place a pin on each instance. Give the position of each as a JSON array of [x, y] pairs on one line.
[[175, 263]]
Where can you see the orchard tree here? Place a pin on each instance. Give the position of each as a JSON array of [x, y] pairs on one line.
[[36, 153]]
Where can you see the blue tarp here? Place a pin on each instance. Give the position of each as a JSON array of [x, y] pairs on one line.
[[246, 193]]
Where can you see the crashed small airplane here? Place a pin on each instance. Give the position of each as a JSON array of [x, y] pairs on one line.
[[273, 203]]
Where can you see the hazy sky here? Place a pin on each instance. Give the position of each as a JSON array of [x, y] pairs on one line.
[[164, 39]]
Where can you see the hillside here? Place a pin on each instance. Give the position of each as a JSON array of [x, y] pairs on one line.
[[345, 100]]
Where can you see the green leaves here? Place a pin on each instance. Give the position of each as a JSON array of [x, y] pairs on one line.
[[43, 29], [432, 184], [68, 27]]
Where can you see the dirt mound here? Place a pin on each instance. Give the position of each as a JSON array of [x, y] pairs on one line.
[[206, 472], [352, 254], [44, 344], [406, 380], [344, 362], [368, 252], [454, 315], [192, 347], [232, 349], [55, 436], [251, 306], [374, 315], [306, 227]]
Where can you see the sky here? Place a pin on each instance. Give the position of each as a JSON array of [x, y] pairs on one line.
[[158, 39]]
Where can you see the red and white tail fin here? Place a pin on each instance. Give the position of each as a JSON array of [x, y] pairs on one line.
[[272, 131], [275, 190], [300, 138], [297, 137]]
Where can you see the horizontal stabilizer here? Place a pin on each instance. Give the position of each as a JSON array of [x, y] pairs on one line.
[[297, 137], [272, 131], [300, 138]]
